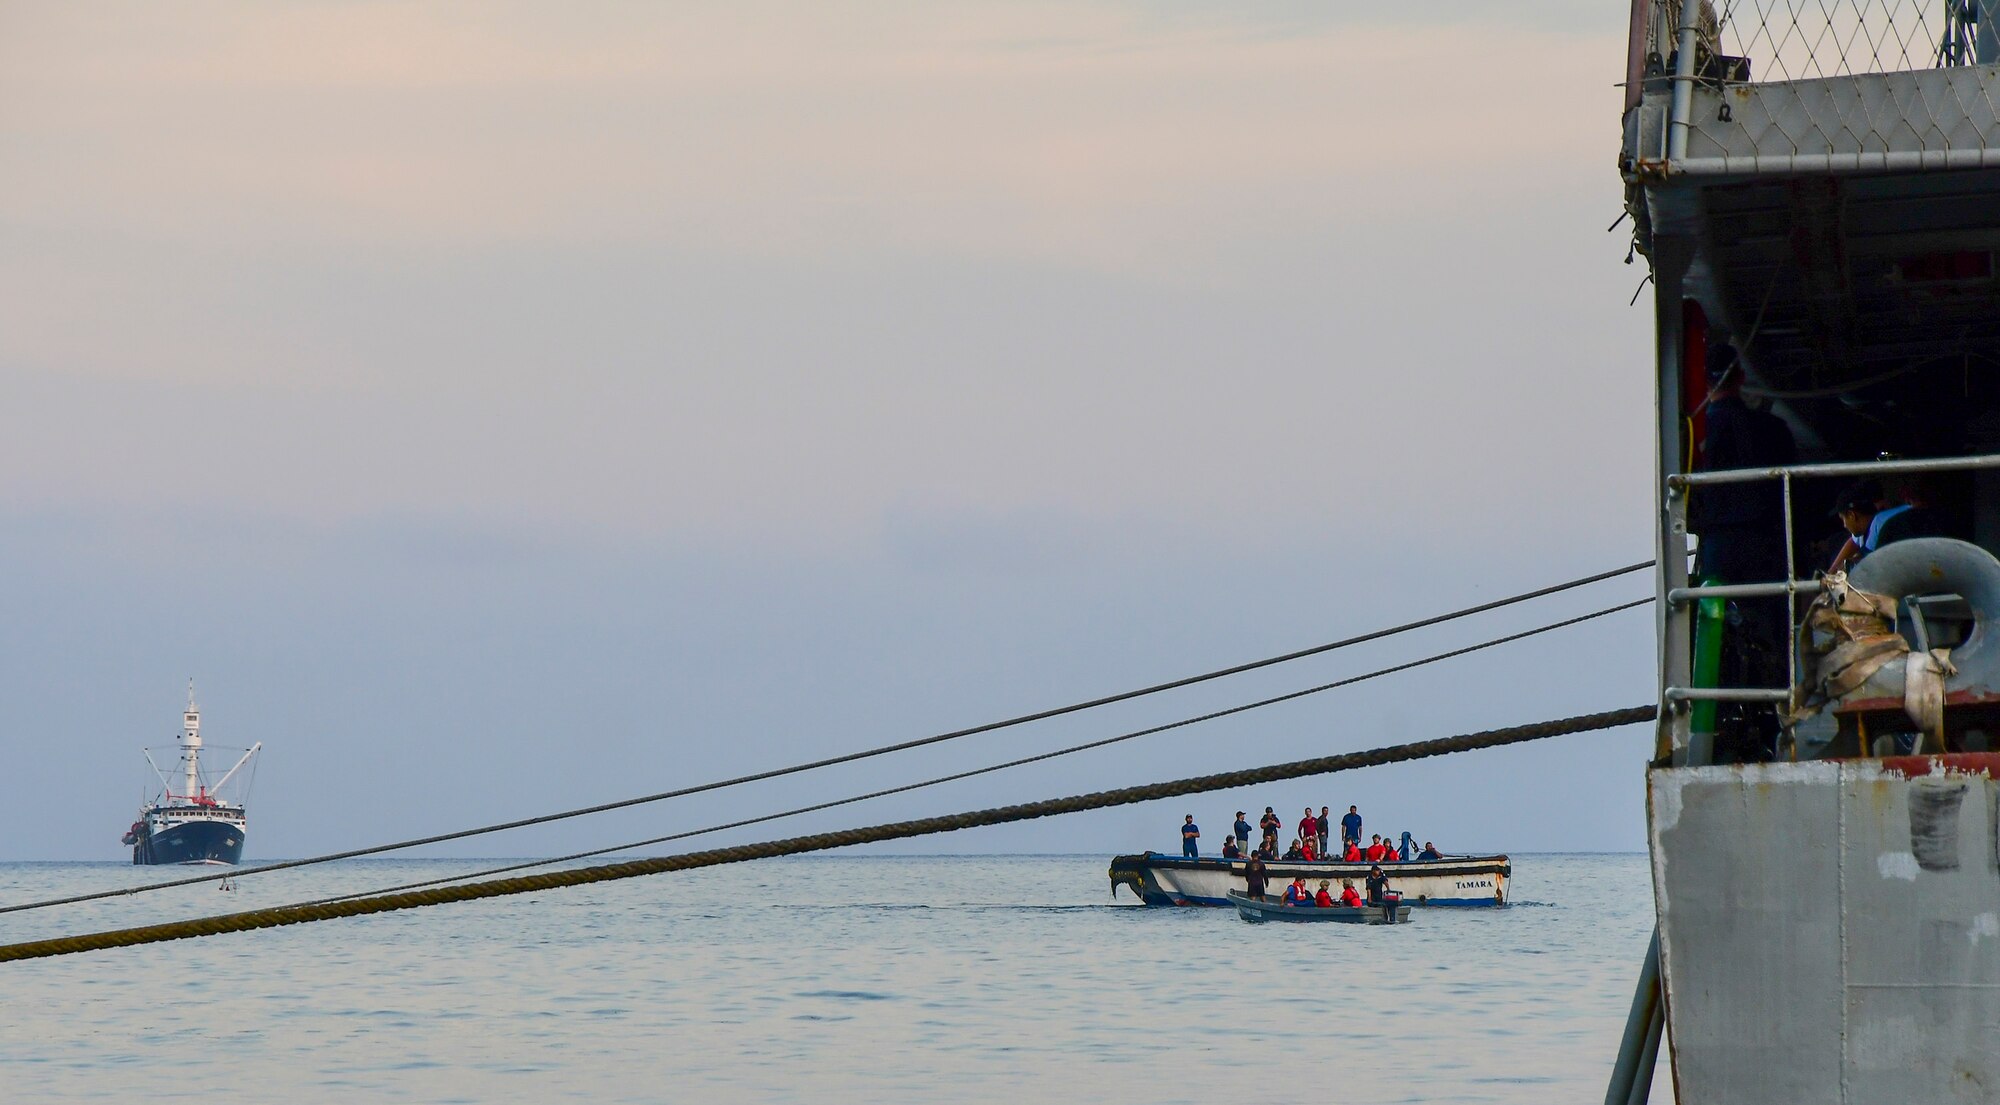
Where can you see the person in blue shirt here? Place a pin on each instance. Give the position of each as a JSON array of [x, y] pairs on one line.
[[1190, 838], [1430, 851], [1242, 831], [1350, 827]]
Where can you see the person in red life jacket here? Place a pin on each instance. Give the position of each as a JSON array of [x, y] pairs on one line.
[[1325, 896], [1353, 853], [1376, 849], [1270, 823], [1348, 895], [1297, 894], [1308, 828]]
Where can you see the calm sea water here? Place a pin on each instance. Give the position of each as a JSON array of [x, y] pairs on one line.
[[823, 979]]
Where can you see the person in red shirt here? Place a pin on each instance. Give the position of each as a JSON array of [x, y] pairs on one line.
[[1353, 854], [1348, 895], [1307, 848], [1376, 850], [1325, 896], [1308, 827]]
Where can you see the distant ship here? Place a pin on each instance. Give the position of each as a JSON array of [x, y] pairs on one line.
[[195, 825]]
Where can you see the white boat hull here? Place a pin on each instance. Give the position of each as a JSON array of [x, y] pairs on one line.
[[1160, 879]]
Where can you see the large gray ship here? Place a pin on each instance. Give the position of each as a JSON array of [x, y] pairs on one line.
[[195, 824], [1816, 188]]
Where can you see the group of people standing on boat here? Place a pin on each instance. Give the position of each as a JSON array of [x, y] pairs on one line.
[[1311, 840]]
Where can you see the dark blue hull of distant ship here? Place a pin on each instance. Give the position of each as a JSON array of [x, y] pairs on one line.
[[191, 842]]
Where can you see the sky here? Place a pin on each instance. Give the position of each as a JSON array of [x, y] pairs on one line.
[[502, 407]]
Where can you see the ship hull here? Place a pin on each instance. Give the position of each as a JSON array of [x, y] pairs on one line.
[[1830, 930], [1160, 879], [190, 842]]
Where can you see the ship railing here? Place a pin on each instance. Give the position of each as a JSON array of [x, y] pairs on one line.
[[1737, 87], [1676, 613]]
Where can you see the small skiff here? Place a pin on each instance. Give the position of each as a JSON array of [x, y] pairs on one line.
[[1274, 909]]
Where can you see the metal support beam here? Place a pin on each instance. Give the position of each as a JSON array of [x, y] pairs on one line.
[[1688, 595], [1728, 694]]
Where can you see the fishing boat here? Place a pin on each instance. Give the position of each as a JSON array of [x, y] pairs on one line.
[[1160, 879], [1275, 909], [196, 824], [1819, 209]]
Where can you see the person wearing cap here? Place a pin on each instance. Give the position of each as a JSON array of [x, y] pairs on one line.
[[1348, 896], [1376, 849], [1242, 829], [1325, 896], [1378, 885], [1190, 838], [1270, 822], [1856, 507]]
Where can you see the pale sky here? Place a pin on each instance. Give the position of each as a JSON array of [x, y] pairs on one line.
[[498, 407]]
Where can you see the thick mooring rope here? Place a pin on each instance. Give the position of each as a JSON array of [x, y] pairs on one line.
[[899, 830]]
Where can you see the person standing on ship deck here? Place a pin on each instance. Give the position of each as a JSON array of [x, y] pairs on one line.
[[1190, 838], [1270, 823], [1350, 826], [1308, 828], [1325, 831], [1242, 828]]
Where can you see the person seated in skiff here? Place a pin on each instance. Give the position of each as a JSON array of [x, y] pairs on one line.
[[1325, 896], [1229, 848], [1297, 894], [1376, 849], [1378, 885], [1430, 852], [1348, 895]]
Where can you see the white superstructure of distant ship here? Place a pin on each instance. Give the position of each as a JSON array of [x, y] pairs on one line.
[[196, 823]]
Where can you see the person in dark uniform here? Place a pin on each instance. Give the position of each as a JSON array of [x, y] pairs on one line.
[[1325, 824], [1742, 530], [1742, 525], [1242, 828], [1378, 884], [1190, 838], [1254, 876]]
